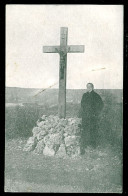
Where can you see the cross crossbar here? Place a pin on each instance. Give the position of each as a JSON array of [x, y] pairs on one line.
[[75, 48], [51, 49], [70, 49]]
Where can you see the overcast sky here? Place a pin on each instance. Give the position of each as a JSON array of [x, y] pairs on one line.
[[98, 27]]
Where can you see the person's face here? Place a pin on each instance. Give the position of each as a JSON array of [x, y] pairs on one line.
[[89, 87]]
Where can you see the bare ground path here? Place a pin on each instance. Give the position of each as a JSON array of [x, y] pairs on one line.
[[98, 171]]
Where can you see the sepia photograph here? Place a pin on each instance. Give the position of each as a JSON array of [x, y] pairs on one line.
[[64, 98]]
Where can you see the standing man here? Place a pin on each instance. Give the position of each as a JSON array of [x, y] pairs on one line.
[[91, 106]]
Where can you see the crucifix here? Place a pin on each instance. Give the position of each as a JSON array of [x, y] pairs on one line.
[[62, 50]]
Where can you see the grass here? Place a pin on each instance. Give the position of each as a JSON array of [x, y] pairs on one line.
[[98, 171]]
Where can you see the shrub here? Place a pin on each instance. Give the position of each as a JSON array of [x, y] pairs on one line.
[[20, 121]]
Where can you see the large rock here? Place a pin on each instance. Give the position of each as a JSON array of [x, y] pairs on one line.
[[39, 147], [40, 124], [52, 139], [36, 130], [44, 117], [63, 122], [62, 151], [72, 140], [72, 130], [48, 151], [39, 132], [73, 151], [75, 121], [31, 143]]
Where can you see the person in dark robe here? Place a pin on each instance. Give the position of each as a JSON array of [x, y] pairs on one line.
[[91, 106]]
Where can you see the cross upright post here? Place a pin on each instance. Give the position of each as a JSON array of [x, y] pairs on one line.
[[62, 73], [63, 49]]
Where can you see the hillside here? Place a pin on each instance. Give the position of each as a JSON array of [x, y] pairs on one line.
[[50, 96]]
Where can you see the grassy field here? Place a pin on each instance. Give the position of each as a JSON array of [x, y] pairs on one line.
[[98, 171]]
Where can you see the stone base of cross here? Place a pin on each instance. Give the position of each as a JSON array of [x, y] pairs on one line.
[[62, 50]]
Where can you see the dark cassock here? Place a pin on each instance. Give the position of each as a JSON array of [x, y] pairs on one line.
[[91, 106]]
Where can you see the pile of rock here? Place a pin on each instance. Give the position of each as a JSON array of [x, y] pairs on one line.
[[55, 136]]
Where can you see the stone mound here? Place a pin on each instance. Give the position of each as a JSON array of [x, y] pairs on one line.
[[55, 137]]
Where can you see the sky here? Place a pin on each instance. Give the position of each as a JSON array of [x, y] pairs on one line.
[[98, 27]]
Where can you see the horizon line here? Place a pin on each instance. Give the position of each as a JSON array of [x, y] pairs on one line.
[[66, 89]]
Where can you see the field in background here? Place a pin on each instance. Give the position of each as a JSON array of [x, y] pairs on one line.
[[50, 96]]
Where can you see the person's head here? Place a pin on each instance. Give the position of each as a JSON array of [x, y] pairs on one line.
[[90, 87]]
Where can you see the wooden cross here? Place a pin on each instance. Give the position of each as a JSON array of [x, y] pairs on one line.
[[63, 49]]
